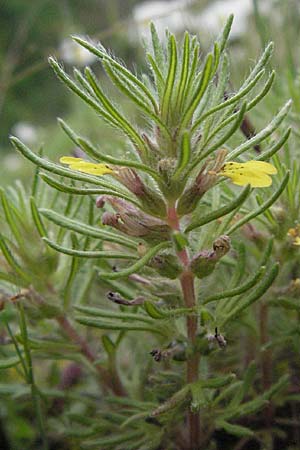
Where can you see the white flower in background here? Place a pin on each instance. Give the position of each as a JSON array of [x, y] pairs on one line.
[[75, 54], [166, 14], [177, 16], [26, 132], [213, 17], [11, 162]]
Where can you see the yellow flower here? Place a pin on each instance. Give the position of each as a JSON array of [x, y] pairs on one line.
[[255, 173], [85, 166], [294, 233]]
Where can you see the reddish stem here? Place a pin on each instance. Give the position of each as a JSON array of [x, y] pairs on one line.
[[111, 382], [188, 290]]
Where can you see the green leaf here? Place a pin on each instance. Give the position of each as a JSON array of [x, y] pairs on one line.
[[225, 137], [13, 262], [113, 111], [108, 345], [85, 229], [106, 313], [37, 218], [10, 219], [217, 382], [157, 48], [153, 311], [170, 80], [185, 65], [239, 289], [103, 55], [244, 303], [117, 326], [184, 156], [86, 191], [232, 100], [6, 363], [56, 168], [274, 149], [87, 254], [262, 208], [236, 430], [203, 83], [236, 203], [263, 134], [226, 32], [137, 266]]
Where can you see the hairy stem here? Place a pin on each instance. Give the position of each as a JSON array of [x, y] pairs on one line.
[[188, 291]]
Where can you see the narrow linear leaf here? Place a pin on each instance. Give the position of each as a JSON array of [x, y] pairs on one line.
[[174, 401], [236, 430], [99, 312], [226, 32], [238, 201], [107, 104], [263, 207], [8, 212], [255, 295], [56, 168], [193, 67], [185, 154], [232, 100], [37, 218], [267, 154], [112, 441], [184, 70], [6, 363], [86, 191], [137, 266], [166, 100], [153, 311], [203, 83], [91, 151], [86, 253], [157, 48], [238, 290], [129, 91], [103, 55], [85, 229], [12, 261], [263, 134], [116, 326], [225, 137]]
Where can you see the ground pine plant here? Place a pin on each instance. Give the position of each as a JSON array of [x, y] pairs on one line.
[[130, 274]]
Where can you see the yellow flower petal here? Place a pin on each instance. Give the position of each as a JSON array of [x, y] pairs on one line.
[[255, 173], [69, 159], [297, 241], [93, 169], [262, 166], [85, 166]]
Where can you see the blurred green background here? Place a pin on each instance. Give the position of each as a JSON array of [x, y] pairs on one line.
[[31, 97]]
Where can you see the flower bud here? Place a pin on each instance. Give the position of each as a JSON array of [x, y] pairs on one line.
[[151, 201], [166, 264], [130, 220], [206, 178], [205, 262]]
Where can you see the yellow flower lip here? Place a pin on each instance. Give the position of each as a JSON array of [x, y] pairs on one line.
[[294, 233], [255, 173], [81, 165], [297, 241]]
